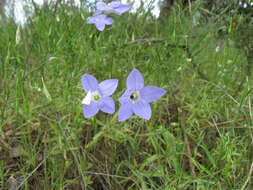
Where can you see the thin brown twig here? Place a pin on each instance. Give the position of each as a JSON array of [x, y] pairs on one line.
[[216, 126], [188, 147], [30, 174], [228, 122], [236, 127], [189, 154], [248, 178]]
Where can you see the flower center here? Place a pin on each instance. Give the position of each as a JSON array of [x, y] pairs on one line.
[[96, 96], [97, 20], [135, 95]]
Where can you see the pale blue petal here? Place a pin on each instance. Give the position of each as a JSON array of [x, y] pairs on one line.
[[114, 4], [135, 80], [125, 111], [100, 26], [142, 109], [108, 105], [151, 93], [108, 87], [89, 83], [101, 6], [90, 110], [125, 97], [97, 12], [91, 20], [96, 18], [122, 9], [108, 21]]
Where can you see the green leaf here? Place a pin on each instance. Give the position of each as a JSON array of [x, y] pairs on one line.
[[45, 91]]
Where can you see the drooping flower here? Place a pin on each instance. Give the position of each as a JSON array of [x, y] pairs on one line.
[[98, 95], [115, 7], [136, 98], [100, 21]]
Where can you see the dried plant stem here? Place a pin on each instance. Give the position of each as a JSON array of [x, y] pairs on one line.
[[187, 143], [248, 178], [190, 6], [189, 154], [30, 174]]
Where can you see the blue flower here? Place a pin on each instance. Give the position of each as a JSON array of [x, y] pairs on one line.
[[136, 98], [115, 7], [98, 95], [100, 21]]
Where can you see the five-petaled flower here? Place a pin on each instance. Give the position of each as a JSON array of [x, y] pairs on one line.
[[100, 21], [115, 7], [136, 98], [98, 95]]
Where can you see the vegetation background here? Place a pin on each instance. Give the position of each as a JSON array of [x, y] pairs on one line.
[[200, 135]]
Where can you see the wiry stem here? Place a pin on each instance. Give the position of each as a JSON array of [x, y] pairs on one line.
[[189, 154]]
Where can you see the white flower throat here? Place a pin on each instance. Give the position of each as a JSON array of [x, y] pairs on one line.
[[91, 96], [135, 96]]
